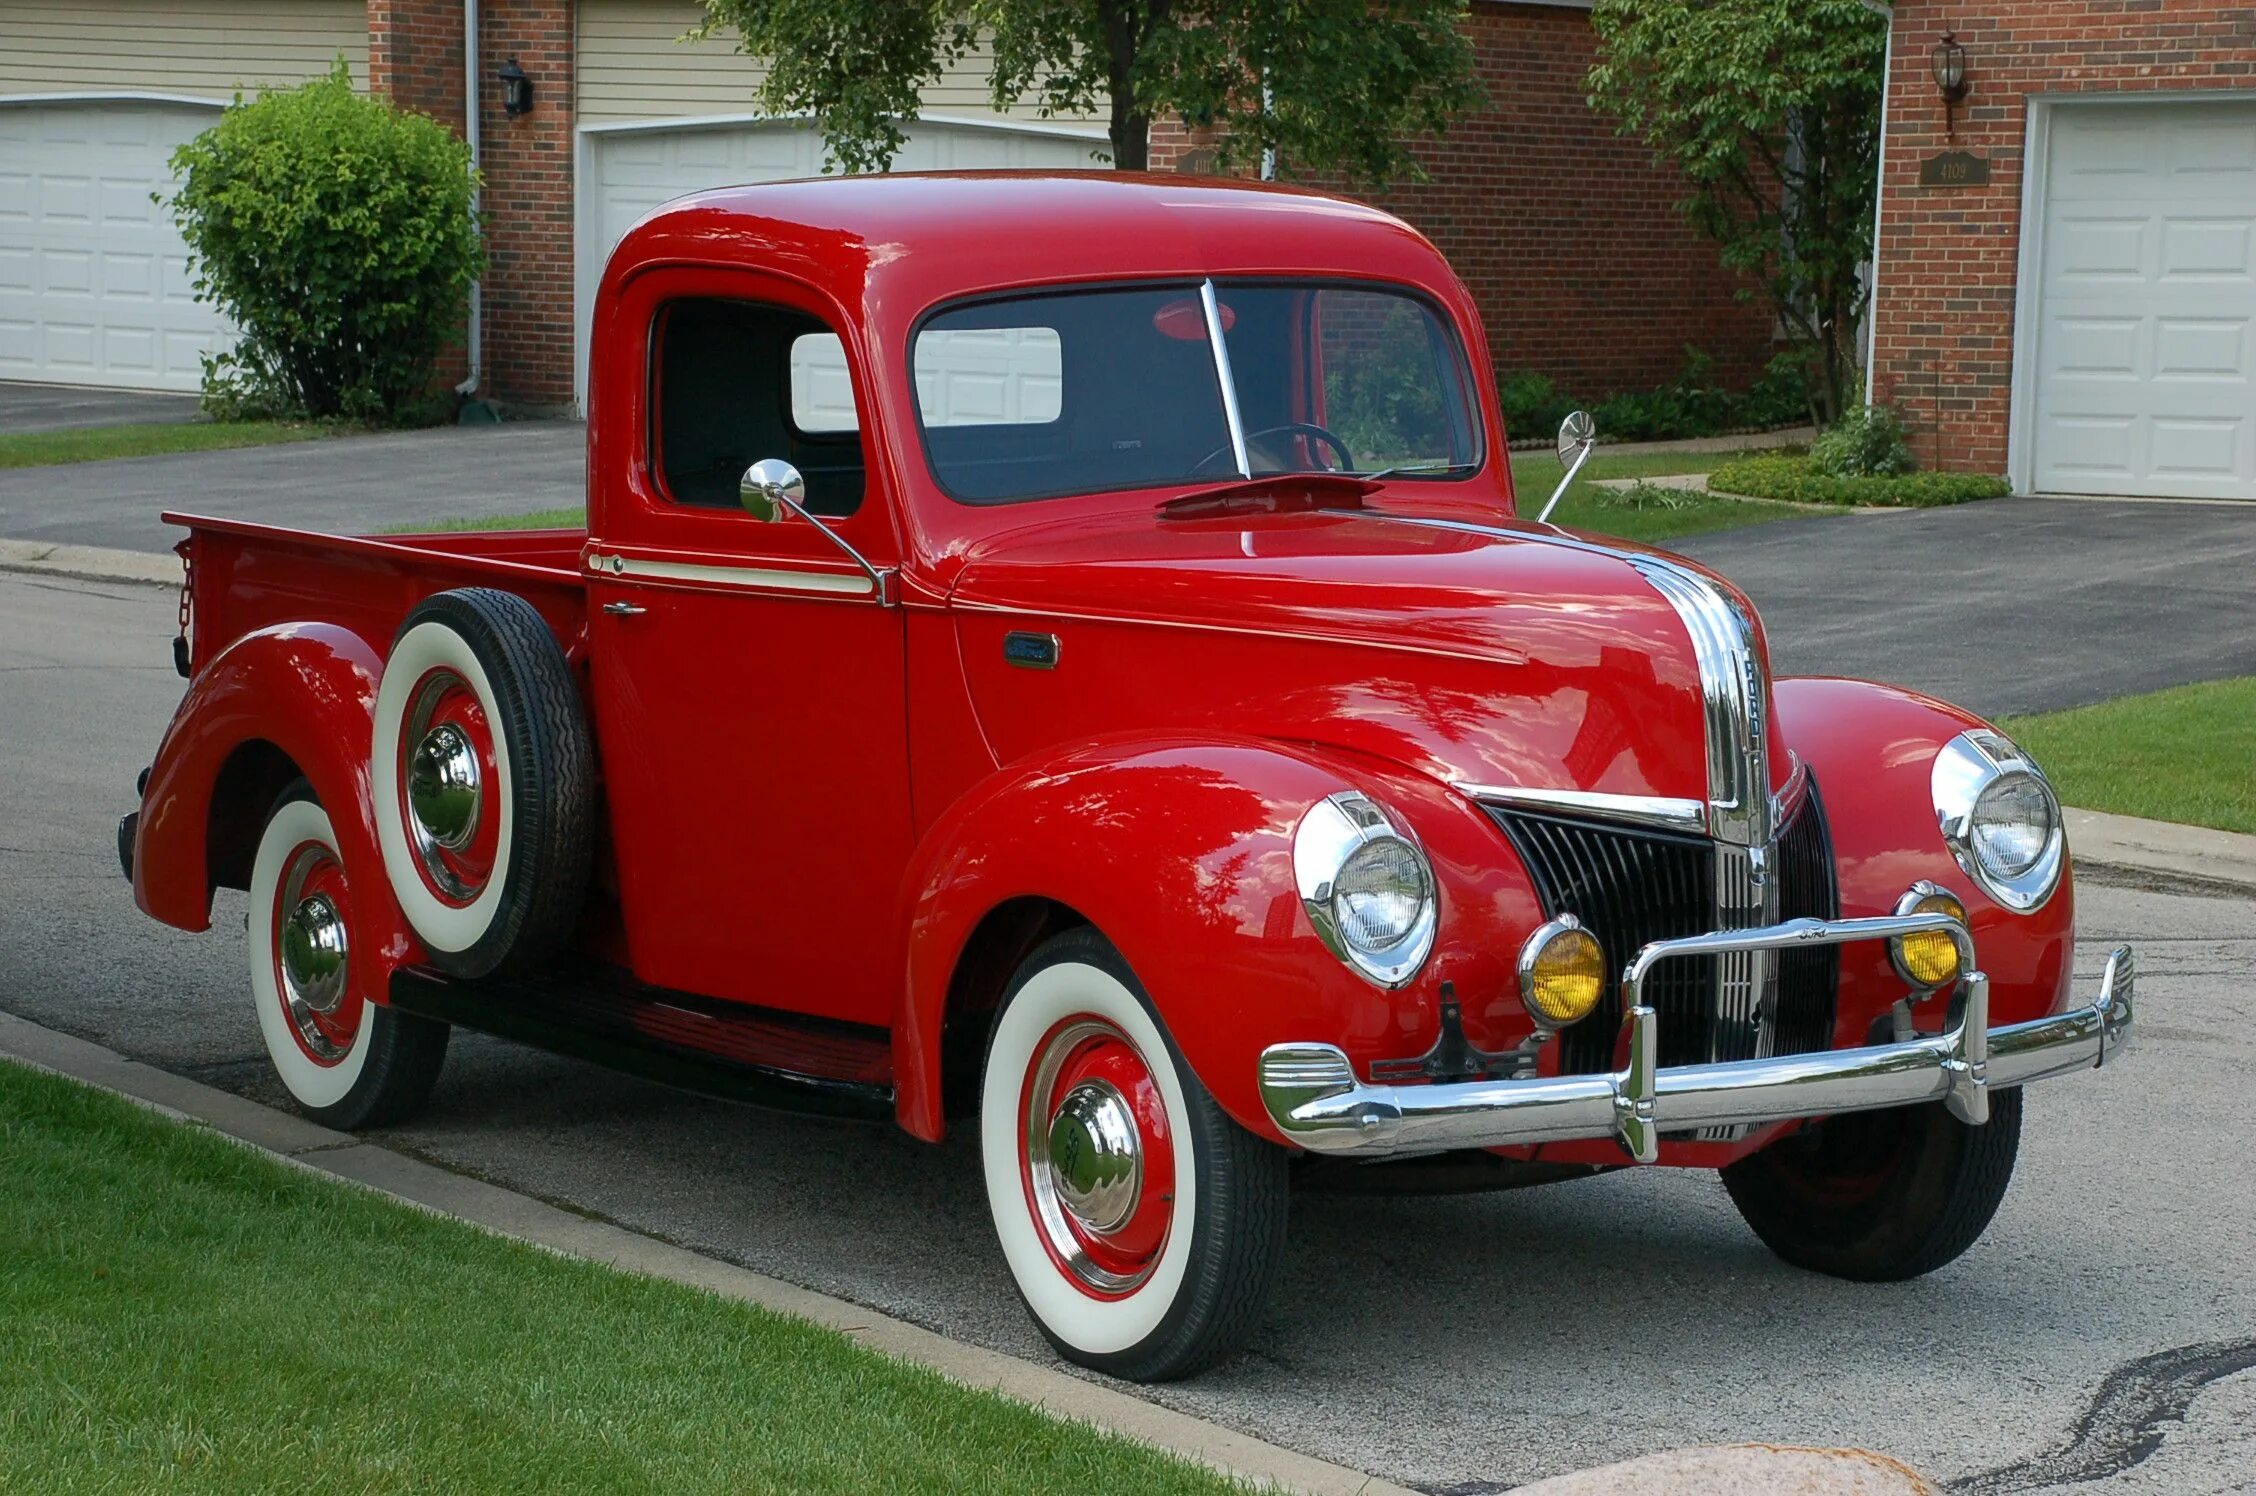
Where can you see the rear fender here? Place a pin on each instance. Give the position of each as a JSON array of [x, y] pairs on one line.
[[1872, 749], [309, 691], [1180, 853]]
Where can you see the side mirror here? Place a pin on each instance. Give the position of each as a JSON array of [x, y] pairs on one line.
[[771, 490], [1577, 433]]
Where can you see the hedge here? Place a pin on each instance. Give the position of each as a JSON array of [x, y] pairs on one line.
[[1796, 480]]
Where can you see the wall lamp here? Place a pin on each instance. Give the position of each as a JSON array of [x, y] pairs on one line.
[[1949, 66], [516, 88]]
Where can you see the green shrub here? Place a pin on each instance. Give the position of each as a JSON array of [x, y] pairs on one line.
[[1796, 480], [1867, 442], [336, 232], [1693, 404]]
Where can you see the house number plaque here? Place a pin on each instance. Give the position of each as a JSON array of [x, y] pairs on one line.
[[1955, 169]]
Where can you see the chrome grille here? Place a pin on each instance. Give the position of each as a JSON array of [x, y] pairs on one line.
[[1632, 885]]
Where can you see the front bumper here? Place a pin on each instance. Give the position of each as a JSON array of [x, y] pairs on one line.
[[1313, 1095]]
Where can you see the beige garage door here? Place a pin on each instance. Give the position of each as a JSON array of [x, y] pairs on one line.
[[94, 283], [2145, 365]]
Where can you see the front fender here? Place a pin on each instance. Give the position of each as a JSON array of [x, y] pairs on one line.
[[1180, 853], [309, 689], [1872, 749]]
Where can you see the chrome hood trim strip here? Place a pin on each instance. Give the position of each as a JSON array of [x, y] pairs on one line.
[[1734, 687], [1660, 812]]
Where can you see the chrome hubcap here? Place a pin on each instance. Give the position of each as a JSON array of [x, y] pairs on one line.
[[443, 784], [313, 954], [1096, 1156]]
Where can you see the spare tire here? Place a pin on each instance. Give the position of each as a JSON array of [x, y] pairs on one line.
[[483, 774]]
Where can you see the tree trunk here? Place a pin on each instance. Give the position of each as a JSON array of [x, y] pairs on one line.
[[1131, 127]]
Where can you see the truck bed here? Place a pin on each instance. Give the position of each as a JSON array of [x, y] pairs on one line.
[[244, 577]]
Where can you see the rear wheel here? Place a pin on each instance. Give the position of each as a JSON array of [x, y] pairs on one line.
[[1142, 1226], [346, 1062], [1880, 1196]]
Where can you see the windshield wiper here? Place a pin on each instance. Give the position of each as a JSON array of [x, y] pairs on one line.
[[1417, 467]]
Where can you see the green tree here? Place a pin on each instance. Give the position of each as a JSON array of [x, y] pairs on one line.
[[1771, 110], [1330, 85], [335, 231]]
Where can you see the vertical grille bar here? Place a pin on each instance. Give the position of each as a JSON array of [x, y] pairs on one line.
[[1631, 885]]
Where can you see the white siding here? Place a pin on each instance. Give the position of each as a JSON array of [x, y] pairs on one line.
[[205, 48], [633, 65]]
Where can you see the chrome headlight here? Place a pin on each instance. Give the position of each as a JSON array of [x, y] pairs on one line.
[[1367, 888], [2000, 818]]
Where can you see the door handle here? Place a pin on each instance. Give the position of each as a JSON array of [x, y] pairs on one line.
[[624, 610]]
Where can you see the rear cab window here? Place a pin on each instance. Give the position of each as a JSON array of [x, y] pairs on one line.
[[736, 381]]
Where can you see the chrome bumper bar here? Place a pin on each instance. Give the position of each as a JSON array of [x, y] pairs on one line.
[[1312, 1093]]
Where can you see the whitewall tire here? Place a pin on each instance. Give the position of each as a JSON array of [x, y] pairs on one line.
[[1141, 1226], [482, 771], [345, 1061]]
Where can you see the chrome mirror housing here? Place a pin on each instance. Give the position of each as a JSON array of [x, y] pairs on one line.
[[772, 489], [1578, 433]]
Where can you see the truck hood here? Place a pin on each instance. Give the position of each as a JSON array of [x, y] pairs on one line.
[[1496, 652]]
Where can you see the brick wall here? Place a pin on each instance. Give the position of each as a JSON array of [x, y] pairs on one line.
[[1949, 256], [528, 205], [415, 58], [1566, 234]]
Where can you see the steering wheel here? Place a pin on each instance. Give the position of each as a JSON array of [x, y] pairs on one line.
[[1308, 429]]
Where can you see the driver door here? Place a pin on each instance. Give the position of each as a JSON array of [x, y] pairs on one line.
[[748, 681]]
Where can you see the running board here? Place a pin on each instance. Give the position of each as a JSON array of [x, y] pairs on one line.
[[732, 1051]]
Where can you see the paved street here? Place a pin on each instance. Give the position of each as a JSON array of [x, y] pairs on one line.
[[1462, 1344], [353, 484]]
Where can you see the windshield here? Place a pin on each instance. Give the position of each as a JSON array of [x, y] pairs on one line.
[[1045, 395]]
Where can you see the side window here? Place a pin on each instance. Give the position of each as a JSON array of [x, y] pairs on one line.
[[736, 381]]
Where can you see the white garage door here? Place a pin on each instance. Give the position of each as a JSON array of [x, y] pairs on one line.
[[628, 172], [2146, 358], [94, 285]]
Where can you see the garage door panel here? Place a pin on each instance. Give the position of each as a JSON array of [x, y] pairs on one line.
[[2145, 358], [2205, 349], [94, 280]]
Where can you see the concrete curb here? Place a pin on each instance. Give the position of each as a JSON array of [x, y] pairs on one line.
[[343, 1156], [88, 563], [1743, 1470], [2098, 839]]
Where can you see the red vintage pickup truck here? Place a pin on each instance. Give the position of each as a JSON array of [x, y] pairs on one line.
[[1062, 654]]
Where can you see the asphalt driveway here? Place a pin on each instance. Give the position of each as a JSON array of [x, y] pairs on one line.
[[68, 407], [2013, 605], [352, 484]]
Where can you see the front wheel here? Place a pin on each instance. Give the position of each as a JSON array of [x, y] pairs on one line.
[[1143, 1227], [1880, 1196], [346, 1062]]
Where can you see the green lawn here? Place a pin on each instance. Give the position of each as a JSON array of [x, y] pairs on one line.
[[179, 1313], [539, 519], [2186, 754], [1588, 507], [96, 443]]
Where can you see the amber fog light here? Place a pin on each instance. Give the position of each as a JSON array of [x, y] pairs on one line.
[[1562, 973], [1928, 959]]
